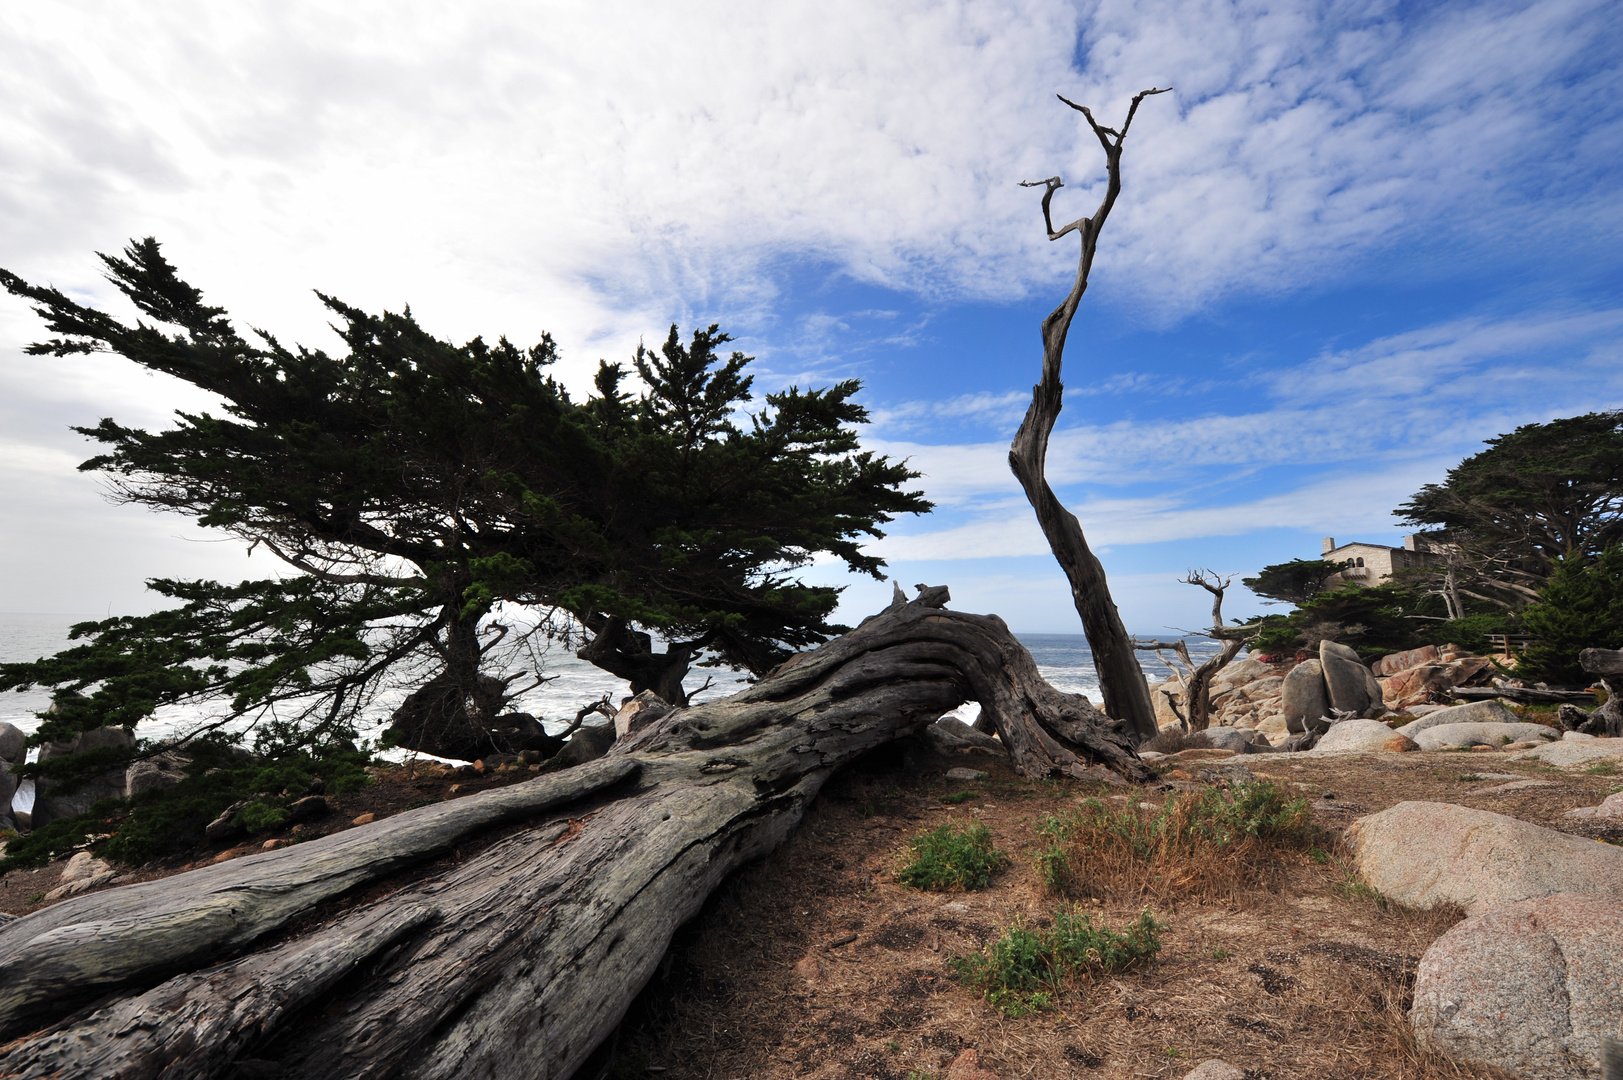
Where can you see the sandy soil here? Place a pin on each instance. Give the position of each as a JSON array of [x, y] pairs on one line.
[[815, 963], [1305, 979]]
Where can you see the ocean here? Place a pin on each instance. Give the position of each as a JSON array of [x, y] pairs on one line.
[[1063, 659]]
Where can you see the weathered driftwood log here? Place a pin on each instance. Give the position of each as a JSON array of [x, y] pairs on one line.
[[348, 957], [1608, 664]]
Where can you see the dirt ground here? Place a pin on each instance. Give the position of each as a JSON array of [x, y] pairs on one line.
[[815, 963]]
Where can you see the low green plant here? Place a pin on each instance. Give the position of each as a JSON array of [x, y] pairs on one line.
[[169, 821], [1200, 843], [1353, 887], [951, 857], [1025, 969], [260, 816], [1602, 768], [960, 797]]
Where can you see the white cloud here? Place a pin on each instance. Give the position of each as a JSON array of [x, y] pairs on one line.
[[1348, 502], [1427, 394], [598, 170]]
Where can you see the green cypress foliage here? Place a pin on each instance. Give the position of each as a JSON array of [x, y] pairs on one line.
[[413, 486], [1581, 607]]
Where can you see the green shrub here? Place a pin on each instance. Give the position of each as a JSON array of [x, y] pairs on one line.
[[166, 822], [951, 857], [260, 816], [1580, 607], [1025, 969], [1470, 633]]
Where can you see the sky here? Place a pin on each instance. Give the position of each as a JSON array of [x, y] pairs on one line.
[[1354, 241]]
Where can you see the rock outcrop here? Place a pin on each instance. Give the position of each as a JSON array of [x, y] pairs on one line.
[[1545, 1023], [1302, 695], [1351, 686], [1570, 753], [1475, 712], [1422, 854], [1361, 737], [1451, 736]]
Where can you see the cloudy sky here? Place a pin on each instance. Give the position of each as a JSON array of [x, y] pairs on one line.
[[1355, 241]]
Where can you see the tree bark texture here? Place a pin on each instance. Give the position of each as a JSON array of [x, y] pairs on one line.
[[1121, 680], [1608, 664], [349, 957]]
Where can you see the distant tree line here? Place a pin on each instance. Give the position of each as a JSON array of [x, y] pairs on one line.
[[1523, 538]]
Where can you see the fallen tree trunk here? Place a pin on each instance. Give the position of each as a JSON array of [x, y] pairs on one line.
[[335, 958]]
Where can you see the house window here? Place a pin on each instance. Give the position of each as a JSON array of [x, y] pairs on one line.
[[1360, 560]]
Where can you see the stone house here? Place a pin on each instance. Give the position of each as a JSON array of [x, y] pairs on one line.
[[1372, 564]]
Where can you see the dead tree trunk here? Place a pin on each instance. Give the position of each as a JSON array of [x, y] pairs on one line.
[[1197, 680], [1608, 664], [1200, 681], [348, 956], [1121, 680]]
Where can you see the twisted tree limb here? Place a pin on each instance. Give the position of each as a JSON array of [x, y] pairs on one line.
[[1121, 680], [346, 957]]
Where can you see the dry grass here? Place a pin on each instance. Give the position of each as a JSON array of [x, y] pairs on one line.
[[1204, 845], [816, 964]]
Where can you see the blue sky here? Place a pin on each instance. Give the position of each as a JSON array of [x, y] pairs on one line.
[[1355, 241]]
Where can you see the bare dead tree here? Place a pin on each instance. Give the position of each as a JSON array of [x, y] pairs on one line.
[[1121, 680], [1232, 641], [1197, 678]]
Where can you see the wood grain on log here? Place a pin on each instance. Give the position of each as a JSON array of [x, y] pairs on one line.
[[518, 960], [1602, 661]]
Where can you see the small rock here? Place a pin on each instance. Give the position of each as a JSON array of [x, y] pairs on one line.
[[224, 827], [83, 865], [809, 969], [1214, 1069], [365, 819], [967, 1066], [1240, 740], [13, 743], [966, 774], [1576, 735], [271, 845], [1302, 695], [587, 744], [1361, 736], [309, 808], [1567, 955], [640, 712], [1610, 807]]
